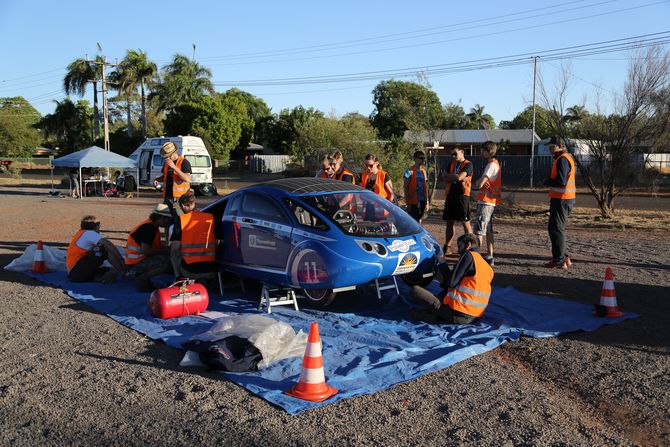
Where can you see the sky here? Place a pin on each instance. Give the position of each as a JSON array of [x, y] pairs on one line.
[[287, 53]]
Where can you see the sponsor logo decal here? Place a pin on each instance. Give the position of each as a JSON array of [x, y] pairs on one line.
[[407, 263], [256, 241], [401, 246]]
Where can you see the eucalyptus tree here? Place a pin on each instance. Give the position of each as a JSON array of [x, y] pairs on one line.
[[182, 81], [79, 73]]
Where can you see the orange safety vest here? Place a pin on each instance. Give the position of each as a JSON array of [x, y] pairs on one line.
[[343, 172], [490, 191], [467, 181], [133, 255], [569, 190], [179, 187], [74, 253], [323, 174], [471, 295], [411, 198], [198, 243], [378, 187]]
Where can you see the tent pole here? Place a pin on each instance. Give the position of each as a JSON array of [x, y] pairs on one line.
[[137, 176], [81, 182]]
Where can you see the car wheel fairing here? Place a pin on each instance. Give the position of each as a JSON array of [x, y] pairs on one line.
[[322, 297], [416, 279]]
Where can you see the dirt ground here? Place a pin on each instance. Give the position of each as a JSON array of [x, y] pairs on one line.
[[71, 376]]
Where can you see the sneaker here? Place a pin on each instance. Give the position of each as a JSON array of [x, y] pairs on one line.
[[556, 265], [489, 259]]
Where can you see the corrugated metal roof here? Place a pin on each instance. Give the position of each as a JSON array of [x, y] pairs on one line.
[[463, 136]]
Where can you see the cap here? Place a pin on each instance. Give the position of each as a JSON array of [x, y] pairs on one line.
[[556, 141], [162, 210], [168, 149]]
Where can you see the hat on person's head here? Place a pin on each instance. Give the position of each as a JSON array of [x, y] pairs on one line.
[[556, 141], [168, 149], [162, 210]]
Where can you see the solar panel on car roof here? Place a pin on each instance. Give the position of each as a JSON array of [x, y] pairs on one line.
[[309, 185]]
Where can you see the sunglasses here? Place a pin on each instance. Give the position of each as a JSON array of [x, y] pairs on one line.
[[369, 165]]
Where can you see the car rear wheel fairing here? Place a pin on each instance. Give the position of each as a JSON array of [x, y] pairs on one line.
[[322, 297]]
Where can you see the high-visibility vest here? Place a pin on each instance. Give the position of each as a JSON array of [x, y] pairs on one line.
[[378, 187], [324, 174], [467, 181], [569, 190], [179, 187], [343, 172], [490, 191], [74, 253], [198, 243], [133, 255], [471, 295], [412, 198]]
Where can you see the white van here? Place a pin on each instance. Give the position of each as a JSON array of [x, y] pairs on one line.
[[150, 162]]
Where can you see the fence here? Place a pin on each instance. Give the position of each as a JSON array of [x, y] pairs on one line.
[[30, 163], [515, 168], [269, 164]]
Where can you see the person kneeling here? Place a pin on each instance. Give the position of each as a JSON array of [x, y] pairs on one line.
[[88, 250], [146, 256], [193, 245], [465, 294]]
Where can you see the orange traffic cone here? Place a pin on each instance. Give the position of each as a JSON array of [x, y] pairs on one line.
[[38, 261], [608, 306], [312, 383]]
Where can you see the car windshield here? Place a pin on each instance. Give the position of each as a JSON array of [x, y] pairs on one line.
[[363, 214]]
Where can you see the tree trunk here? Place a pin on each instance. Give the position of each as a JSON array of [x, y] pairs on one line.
[[96, 112], [144, 110], [130, 123]]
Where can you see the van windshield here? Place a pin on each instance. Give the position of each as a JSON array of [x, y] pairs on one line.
[[199, 161]]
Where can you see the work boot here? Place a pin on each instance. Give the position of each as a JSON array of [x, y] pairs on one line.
[[423, 315], [556, 265]]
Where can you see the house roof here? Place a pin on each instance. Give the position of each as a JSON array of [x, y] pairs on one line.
[[466, 136]]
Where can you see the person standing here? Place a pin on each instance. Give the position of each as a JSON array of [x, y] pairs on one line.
[[339, 171], [375, 179], [74, 183], [326, 170], [176, 175], [415, 185], [466, 291], [490, 188], [457, 186], [562, 193]]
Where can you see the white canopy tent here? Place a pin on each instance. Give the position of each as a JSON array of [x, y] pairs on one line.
[[95, 157]]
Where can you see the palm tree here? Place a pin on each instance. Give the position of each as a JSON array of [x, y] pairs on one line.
[[481, 119], [124, 81], [184, 80], [144, 73], [575, 113], [79, 73]]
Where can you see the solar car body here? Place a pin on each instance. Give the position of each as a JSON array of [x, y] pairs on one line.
[[320, 235]]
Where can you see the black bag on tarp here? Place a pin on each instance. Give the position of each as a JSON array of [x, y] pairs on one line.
[[233, 354]]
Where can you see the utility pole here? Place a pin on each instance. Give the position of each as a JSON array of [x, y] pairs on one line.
[[105, 111], [532, 137]]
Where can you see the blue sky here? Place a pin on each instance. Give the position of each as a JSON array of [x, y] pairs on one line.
[[252, 41]]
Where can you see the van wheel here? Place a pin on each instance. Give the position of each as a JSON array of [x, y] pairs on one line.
[[321, 297]]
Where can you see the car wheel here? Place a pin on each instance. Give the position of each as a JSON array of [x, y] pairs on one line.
[[321, 297], [416, 279]]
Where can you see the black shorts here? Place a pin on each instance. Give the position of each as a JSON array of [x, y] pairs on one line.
[[457, 208], [89, 267], [417, 211]]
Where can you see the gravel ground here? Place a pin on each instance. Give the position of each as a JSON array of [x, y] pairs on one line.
[[71, 376]]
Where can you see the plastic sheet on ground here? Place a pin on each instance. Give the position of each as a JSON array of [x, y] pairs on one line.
[[368, 345], [54, 259]]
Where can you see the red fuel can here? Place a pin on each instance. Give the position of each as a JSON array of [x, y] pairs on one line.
[[181, 298]]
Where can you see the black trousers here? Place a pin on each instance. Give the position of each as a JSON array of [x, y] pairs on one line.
[[559, 211], [437, 308]]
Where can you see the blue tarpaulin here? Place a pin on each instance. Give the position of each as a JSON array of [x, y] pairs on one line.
[[368, 344]]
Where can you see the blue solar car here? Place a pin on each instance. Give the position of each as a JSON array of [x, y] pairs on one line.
[[321, 236]]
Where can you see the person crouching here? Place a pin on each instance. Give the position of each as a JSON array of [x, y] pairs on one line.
[[88, 250], [466, 290]]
